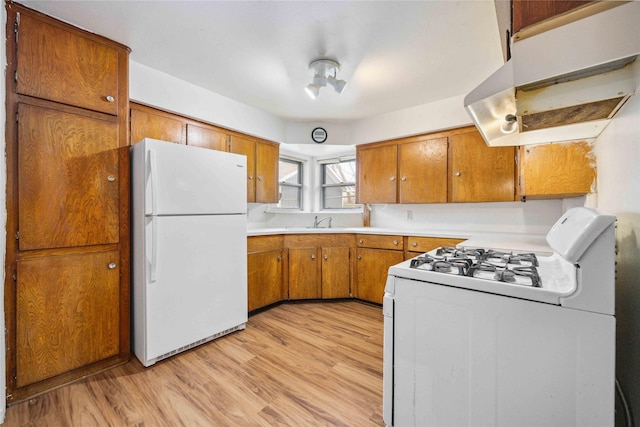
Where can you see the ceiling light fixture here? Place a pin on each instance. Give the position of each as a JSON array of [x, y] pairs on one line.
[[510, 124], [324, 71]]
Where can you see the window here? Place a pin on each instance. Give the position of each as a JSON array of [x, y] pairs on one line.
[[290, 178], [339, 185]]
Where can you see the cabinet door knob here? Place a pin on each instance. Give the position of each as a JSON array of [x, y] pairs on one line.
[[112, 265], [393, 178], [259, 177], [404, 178], [313, 257], [326, 257], [111, 178], [278, 257], [458, 173], [395, 242], [414, 244], [250, 177], [110, 98], [359, 256], [361, 240]]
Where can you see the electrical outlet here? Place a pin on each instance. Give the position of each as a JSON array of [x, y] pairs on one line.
[[410, 215]]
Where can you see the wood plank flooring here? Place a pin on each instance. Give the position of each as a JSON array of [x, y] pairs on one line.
[[297, 364]]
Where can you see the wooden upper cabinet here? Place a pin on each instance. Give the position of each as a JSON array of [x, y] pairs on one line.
[[146, 123], [556, 170], [479, 173], [422, 168], [66, 67], [377, 170], [529, 12], [246, 146], [67, 178], [267, 161], [207, 137]]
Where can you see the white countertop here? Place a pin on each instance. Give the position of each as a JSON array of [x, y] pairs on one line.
[[481, 239]]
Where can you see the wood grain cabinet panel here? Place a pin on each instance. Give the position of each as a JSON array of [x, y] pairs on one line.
[[372, 266], [264, 278], [556, 170], [68, 179], [207, 137], [67, 313], [267, 162], [148, 124], [304, 274], [247, 147], [422, 170], [479, 173], [418, 245], [380, 241], [336, 273], [66, 67], [377, 174]]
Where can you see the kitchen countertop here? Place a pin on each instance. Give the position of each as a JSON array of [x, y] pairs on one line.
[[480, 239]]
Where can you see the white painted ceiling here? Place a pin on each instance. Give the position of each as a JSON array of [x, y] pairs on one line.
[[393, 54]]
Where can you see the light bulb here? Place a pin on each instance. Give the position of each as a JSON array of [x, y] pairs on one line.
[[312, 90], [510, 124]]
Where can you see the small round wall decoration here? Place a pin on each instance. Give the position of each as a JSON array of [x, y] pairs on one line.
[[319, 135]]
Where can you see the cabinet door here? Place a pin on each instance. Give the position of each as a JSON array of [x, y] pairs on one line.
[[372, 266], [267, 160], [63, 66], [207, 137], [304, 274], [556, 170], [335, 273], [68, 192], [246, 146], [377, 174], [148, 125], [480, 173], [264, 278], [423, 171], [67, 313]]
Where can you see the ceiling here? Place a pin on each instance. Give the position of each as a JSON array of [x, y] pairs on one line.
[[393, 54]]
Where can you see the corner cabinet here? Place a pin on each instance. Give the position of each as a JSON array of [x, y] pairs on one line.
[[374, 255], [266, 260], [67, 263]]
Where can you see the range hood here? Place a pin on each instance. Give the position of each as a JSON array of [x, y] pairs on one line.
[[561, 85]]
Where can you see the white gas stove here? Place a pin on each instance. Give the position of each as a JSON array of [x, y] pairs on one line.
[[480, 336]]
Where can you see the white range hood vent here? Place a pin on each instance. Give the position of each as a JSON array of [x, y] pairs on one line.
[[561, 85]]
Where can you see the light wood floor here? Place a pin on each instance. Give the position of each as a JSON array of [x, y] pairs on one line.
[[298, 364]]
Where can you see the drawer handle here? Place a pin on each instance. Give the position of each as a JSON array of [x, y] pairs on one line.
[[112, 265], [313, 257], [110, 98], [395, 242], [414, 244], [361, 240], [111, 178]]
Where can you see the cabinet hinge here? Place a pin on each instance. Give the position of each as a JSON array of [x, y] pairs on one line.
[[15, 276], [15, 76], [17, 117], [17, 234], [14, 374], [16, 25]]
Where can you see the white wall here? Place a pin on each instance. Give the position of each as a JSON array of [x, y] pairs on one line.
[[618, 162]]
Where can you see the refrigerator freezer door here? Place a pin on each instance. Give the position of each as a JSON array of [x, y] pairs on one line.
[[185, 180], [200, 288]]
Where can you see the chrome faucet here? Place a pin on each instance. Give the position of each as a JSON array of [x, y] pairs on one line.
[[316, 223]]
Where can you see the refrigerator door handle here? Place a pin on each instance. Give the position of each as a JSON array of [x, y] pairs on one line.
[[153, 275], [153, 170]]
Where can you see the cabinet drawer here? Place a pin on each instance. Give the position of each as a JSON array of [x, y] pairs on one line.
[[264, 243], [379, 241], [425, 244]]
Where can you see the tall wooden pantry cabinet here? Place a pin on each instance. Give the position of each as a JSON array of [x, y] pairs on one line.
[[67, 265]]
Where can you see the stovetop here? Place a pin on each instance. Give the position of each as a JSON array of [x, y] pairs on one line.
[[488, 264]]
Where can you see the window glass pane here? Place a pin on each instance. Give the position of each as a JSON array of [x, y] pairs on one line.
[[289, 197], [340, 197], [343, 172], [338, 185], [289, 172]]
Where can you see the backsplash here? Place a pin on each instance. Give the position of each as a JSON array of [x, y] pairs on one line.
[[531, 217]]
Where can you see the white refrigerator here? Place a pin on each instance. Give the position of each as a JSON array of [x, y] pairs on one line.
[[189, 247]]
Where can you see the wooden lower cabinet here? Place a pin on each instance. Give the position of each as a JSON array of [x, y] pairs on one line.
[[304, 274], [265, 278], [372, 266], [67, 313], [418, 245], [336, 272]]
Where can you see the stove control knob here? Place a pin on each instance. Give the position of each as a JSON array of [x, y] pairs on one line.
[[458, 173]]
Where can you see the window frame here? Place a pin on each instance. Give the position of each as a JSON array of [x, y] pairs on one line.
[[299, 185], [324, 185]]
